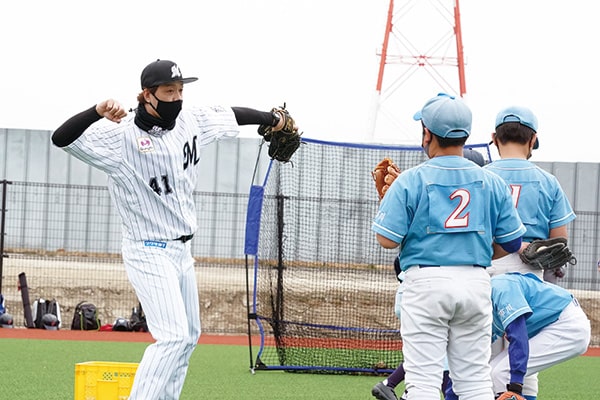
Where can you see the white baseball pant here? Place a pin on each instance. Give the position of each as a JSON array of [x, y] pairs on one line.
[[512, 263], [566, 338], [447, 311], [165, 283]]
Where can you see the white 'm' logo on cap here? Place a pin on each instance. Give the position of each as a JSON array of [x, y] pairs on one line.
[[175, 71]]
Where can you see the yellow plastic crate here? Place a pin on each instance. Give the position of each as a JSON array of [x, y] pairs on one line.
[[103, 380]]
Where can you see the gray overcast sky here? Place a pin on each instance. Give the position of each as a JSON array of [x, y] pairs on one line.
[[320, 56]]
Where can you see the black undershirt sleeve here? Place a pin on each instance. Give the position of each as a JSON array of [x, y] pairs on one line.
[[72, 128], [250, 116]]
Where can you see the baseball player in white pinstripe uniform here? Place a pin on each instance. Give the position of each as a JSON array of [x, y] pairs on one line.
[[151, 159]]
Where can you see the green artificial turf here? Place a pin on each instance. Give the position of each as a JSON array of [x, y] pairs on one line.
[[44, 369]]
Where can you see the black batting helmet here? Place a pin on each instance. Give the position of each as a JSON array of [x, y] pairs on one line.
[[122, 325], [6, 320], [50, 322]]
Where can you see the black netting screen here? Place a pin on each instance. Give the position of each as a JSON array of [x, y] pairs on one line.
[[325, 288]]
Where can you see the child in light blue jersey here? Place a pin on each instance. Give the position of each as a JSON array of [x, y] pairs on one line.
[[385, 390], [445, 214], [538, 196], [544, 325]]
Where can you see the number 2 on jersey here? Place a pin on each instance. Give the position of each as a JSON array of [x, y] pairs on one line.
[[456, 208], [455, 220]]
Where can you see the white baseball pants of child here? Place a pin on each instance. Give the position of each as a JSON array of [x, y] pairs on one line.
[[566, 338], [447, 310], [512, 263]]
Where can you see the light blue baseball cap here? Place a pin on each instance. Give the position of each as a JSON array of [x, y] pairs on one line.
[[522, 115], [446, 116]]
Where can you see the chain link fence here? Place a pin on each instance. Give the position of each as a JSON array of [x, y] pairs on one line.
[[67, 239]]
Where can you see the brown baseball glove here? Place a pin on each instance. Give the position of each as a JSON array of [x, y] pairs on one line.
[[384, 174]]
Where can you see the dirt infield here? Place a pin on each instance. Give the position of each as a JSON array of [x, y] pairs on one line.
[[104, 283], [223, 298], [109, 336]]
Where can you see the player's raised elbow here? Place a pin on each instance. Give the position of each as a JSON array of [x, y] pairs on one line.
[[386, 243], [58, 141]]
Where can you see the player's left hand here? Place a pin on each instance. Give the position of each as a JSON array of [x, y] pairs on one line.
[[284, 138]]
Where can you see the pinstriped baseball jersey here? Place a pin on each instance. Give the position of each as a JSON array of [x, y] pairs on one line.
[[540, 201], [152, 178]]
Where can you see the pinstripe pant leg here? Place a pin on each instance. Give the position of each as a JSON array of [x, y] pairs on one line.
[[156, 274], [189, 291]]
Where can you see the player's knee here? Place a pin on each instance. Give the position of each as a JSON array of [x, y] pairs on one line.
[[476, 389], [581, 346], [190, 339], [425, 391], [475, 393], [182, 336], [181, 344], [193, 338]]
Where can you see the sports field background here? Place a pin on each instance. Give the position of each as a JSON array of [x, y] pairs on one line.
[[44, 369], [67, 237], [222, 286]]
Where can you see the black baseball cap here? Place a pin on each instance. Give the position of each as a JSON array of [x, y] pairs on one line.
[[161, 72]]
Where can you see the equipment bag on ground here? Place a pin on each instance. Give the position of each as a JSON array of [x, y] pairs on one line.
[[138, 319], [85, 317], [46, 314]]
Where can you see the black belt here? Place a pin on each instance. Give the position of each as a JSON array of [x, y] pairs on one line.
[[185, 238]]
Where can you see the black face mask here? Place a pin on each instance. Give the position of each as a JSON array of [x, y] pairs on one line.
[[167, 110]]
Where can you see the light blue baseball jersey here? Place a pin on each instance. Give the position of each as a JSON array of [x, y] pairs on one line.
[[515, 294], [540, 200], [447, 211]]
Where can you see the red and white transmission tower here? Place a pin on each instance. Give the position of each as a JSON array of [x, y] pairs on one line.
[[422, 38]]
